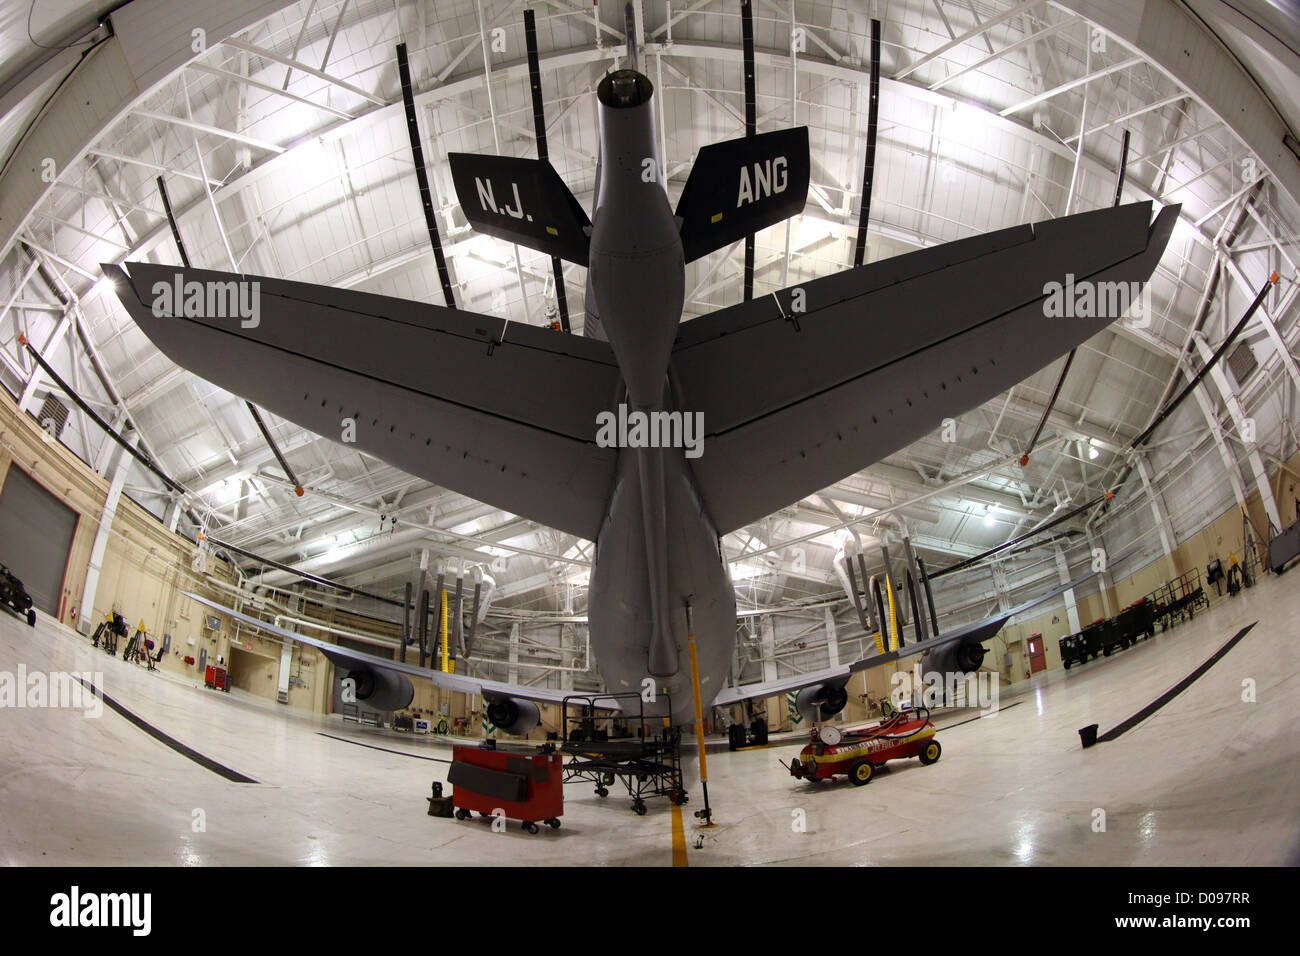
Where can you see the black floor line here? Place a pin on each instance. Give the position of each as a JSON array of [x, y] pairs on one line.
[[400, 753], [207, 762], [1177, 689], [979, 716]]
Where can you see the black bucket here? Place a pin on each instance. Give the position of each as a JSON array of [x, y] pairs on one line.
[[1088, 735]]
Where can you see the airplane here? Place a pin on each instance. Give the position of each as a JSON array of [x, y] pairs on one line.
[[798, 389]]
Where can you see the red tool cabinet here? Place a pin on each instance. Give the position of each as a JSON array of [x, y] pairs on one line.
[[524, 787], [214, 677]]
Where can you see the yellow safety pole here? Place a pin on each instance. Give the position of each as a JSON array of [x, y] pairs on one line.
[[442, 630], [893, 615], [705, 814]]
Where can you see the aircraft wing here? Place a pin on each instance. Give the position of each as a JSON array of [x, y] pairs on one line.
[[805, 386], [347, 657], [432, 390], [975, 631]]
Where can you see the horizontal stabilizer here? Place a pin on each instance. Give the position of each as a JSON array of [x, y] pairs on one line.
[[523, 201], [441, 393], [741, 186], [803, 387]]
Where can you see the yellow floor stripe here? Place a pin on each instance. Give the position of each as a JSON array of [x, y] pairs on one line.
[[679, 838]]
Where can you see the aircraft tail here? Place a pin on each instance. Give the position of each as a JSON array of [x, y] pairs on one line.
[[523, 201], [741, 186]]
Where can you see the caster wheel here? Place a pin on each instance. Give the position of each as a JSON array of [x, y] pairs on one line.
[[484, 815], [530, 827], [463, 814], [602, 792], [861, 773], [31, 618], [553, 823], [639, 807]]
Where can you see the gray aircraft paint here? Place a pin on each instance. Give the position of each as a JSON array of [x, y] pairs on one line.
[[792, 400]]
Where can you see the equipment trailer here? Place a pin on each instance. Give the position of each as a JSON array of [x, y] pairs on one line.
[[15, 596], [858, 753]]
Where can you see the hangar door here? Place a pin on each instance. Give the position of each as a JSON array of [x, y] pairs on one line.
[[255, 673], [36, 531]]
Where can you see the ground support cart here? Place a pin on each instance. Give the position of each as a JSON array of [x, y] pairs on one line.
[[13, 595], [524, 787], [858, 753], [636, 750]]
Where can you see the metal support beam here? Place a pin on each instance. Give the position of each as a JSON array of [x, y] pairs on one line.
[[303, 68], [539, 125], [1228, 390], [971, 34], [751, 121], [869, 162], [1168, 540], [1071, 84], [422, 176]]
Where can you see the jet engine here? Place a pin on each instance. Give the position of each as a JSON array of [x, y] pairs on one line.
[[382, 690], [821, 701], [513, 715], [962, 657]]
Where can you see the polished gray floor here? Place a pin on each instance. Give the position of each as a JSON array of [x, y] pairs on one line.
[[1209, 779]]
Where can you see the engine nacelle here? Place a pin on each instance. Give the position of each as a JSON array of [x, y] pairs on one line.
[[821, 702], [964, 657], [382, 690], [513, 715]]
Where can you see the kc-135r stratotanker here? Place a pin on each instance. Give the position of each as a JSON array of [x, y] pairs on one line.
[[797, 389]]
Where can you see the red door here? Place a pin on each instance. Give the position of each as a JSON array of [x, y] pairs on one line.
[[1037, 655]]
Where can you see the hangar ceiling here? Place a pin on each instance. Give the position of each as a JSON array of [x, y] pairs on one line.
[[284, 151]]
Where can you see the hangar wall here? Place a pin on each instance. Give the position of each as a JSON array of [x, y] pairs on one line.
[[143, 564]]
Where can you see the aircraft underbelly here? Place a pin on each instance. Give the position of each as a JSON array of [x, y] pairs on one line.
[[620, 607]]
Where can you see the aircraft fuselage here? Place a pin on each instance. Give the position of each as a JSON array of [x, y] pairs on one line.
[[657, 549]]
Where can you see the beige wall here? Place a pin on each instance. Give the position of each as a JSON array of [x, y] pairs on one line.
[[143, 564]]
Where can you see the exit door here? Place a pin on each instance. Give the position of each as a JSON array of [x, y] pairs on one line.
[[1037, 654]]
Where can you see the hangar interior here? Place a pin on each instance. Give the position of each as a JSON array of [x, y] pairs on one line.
[[271, 138]]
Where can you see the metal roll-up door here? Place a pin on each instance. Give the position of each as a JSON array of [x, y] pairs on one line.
[[36, 530]]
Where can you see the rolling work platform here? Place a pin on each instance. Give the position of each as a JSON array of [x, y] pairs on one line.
[[638, 750], [1177, 600]]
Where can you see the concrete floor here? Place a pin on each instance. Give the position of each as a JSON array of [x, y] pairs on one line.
[[1208, 779]]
